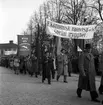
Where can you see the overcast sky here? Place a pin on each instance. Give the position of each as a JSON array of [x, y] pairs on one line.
[[14, 16]]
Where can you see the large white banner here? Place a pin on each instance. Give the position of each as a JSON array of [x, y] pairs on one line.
[[70, 31]]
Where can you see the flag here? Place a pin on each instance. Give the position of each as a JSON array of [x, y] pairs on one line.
[[79, 49]]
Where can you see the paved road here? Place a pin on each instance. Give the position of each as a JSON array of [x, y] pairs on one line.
[[26, 90]]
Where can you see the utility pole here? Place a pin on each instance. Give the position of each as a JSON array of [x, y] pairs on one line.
[[57, 40]]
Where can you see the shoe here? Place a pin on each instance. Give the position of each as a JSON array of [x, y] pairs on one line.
[[42, 80], [49, 83], [36, 76], [79, 96], [96, 100], [65, 82], [57, 78]]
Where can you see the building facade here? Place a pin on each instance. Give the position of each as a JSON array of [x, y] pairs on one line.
[[8, 48]]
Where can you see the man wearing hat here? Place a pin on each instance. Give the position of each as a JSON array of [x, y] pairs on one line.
[[62, 64], [87, 74]]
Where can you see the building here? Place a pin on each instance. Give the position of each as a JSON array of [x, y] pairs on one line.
[[8, 48]]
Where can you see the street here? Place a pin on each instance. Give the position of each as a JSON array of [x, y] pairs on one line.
[[25, 90]]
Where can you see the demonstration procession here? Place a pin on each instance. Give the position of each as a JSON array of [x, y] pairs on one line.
[[54, 63]]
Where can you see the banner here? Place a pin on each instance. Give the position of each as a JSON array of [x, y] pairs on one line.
[[70, 31], [24, 43]]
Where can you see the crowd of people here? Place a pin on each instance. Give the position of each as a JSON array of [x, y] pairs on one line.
[[20, 64], [63, 66]]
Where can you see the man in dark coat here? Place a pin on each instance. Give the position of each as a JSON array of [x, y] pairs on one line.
[[47, 68], [34, 65], [22, 65], [87, 74], [29, 66]]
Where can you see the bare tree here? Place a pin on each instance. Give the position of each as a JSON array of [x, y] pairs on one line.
[[62, 11], [97, 5]]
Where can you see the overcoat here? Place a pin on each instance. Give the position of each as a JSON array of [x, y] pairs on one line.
[[87, 72], [29, 66], [47, 67], [62, 64]]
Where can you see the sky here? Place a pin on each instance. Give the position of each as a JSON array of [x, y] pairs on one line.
[[15, 15]]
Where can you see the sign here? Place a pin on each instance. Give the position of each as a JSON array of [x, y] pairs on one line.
[[70, 31], [10, 52], [24, 43]]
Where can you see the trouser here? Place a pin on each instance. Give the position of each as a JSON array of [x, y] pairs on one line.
[[16, 69], [65, 77], [49, 79], [53, 74], [93, 94], [46, 75]]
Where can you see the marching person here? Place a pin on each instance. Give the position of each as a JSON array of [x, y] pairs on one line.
[[87, 74], [62, 63], [16, 64], [69, 66], [11, 61], [29, 65], [35, 65], [47, 68], [22, 65], [52, 66], [101, 69]]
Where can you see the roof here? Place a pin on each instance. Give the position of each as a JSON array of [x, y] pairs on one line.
[[8, 45]]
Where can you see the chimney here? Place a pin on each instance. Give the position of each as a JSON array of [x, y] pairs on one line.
[[11, 41]]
